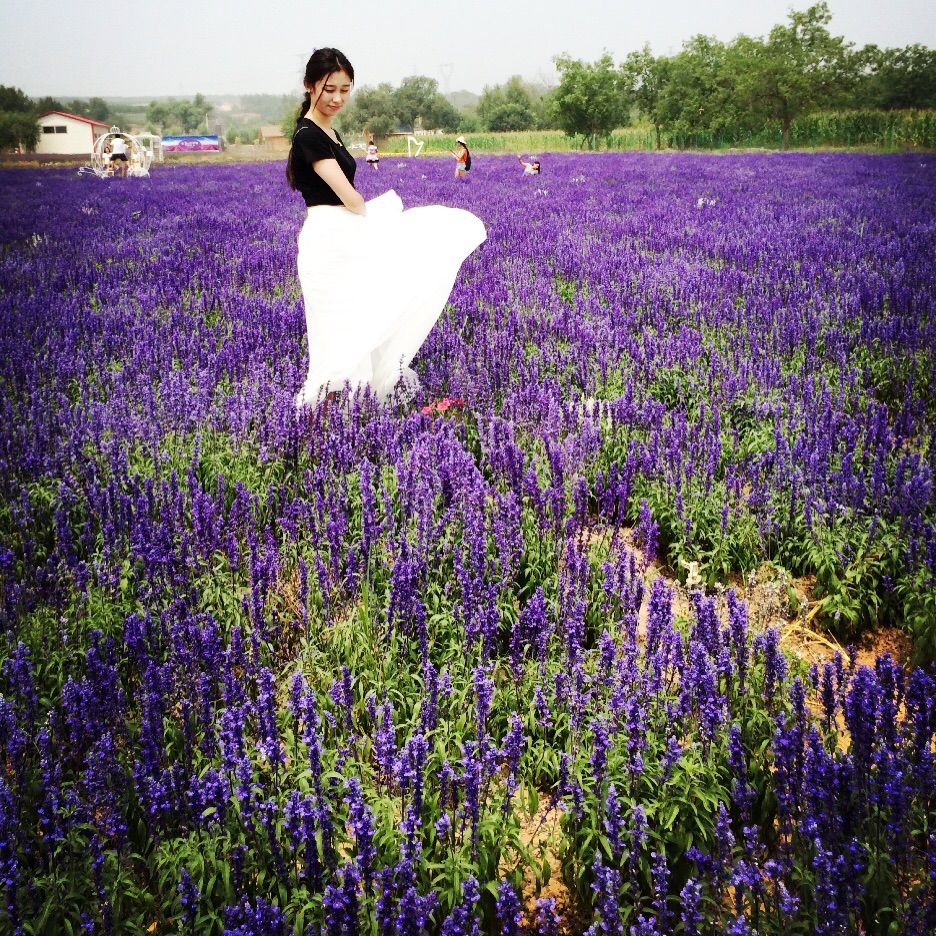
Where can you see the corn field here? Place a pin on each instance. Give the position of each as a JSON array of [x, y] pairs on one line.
[[887, 130]]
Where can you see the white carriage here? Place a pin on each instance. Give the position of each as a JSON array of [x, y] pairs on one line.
[[140, 153], [153, 143]]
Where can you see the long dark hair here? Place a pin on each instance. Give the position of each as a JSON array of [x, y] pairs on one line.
[[321, 64]]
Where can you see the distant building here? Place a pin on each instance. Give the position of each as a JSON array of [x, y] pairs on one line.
[[64, 133], [272, 136]]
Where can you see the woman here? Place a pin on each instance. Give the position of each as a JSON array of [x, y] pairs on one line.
[[462, 158], [349, 248], [373, 157]]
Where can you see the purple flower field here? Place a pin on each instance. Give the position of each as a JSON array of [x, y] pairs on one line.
[[391, 671]]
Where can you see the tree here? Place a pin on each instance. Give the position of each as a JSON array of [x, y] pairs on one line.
[[15, 101], [468, 122], [414, 99], [699, 94], [187, 116], [158, 115], [507, 107], [98, 109], [797, 69], [200, 109], [18, 131], [591, 99], [18, 127], [645, 77], [442, 115], [287, 121], [184, 116], [897, 78], [511, 116], [383, 109], [45, 104], [372, 110]]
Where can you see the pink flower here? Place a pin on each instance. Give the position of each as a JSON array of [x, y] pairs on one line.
[[441, 406]]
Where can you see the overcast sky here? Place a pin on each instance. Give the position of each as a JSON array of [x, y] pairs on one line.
[[177, 47]]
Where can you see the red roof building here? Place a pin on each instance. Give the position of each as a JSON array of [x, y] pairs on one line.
[[65, 133]]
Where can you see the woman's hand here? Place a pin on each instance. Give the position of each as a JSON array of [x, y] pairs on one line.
[[330, 172]]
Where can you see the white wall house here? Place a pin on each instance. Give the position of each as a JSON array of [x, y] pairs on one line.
[[68, 133]]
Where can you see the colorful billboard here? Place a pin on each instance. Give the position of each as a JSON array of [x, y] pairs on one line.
[[191, 144]]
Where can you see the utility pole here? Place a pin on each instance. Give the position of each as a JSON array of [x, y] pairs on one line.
[[446, 69]]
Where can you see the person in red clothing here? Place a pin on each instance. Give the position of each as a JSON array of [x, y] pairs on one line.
[[462, 158]]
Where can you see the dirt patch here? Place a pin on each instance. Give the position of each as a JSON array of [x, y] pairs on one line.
[[774, 598], [541, 834]]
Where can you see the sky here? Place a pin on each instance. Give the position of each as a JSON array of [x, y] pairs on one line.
[[118, 48]]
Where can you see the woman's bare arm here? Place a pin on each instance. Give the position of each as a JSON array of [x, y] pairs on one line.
[[330, 172]]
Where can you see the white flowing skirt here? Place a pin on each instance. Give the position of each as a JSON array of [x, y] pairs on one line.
[[373, 286]]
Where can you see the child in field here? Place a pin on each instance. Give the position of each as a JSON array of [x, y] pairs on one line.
[[411, 258], [373, 157], [462, 158]]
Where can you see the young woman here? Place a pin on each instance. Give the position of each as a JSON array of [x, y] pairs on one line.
[[374, 277], [462, 158]]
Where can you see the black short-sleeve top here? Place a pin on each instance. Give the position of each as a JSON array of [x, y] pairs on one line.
[[310, 143]]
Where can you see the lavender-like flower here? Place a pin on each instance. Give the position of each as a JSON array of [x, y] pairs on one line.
[[547, 919], [254, 918], [361, 820], [463, 920], [10, 835], [269, 745], [660, 874], [607, 887], [691, 915], [341, 902], [511, 751], [613, 824], [509, 911], [189, 897]]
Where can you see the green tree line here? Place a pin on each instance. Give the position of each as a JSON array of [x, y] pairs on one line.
[[415, 103], [183, 116], [709, 93], [712, 90]]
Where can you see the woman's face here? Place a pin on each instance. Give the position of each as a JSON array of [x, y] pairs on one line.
[[331, 93]]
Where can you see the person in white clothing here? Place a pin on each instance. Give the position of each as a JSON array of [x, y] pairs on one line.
[[410, 259], [119, 154]]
